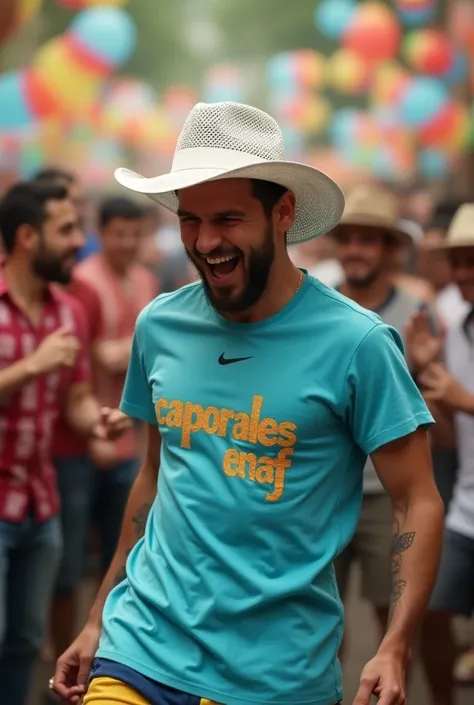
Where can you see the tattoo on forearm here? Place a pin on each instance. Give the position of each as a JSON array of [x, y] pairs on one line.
[[139, 520], [122, 574], [397, 590], [400, 544]]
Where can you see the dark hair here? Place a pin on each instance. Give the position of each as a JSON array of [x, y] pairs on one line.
[[25, 204], [268, 193], [53, 173], [443, 214], [119, 207]]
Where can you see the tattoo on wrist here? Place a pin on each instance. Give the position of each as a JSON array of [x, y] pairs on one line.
[[400, 544], [139, 520]]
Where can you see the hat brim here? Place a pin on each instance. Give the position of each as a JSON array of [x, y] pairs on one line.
[[319, 200], [402, 236], [456, 245]]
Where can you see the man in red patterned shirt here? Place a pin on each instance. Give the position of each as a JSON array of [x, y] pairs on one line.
[[43, 371]]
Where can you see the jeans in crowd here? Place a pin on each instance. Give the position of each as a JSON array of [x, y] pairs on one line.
[[29, 557]]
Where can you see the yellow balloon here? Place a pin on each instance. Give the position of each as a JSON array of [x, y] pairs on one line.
[[347, 72], [315, 115], [71, 86]]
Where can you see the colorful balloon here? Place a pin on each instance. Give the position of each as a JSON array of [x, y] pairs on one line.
[[348, 72], [279, 73], [458, 72], [293, 70], [71, 85], [388, 83], [68, 72], [422, 99], [344, 127], [429, 51], [106, 34], [374, 32], [309, 68], [433, 164], [16, 113], [416, 13], [123, 105], [332, 17], [308, 113]]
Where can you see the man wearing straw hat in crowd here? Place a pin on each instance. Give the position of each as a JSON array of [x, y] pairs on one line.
[[449, 387], [264, 391], [367, 239]]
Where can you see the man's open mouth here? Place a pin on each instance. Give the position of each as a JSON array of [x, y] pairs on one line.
[[221, 267]]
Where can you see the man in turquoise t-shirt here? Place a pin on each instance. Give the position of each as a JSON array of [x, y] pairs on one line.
[[264, 392]]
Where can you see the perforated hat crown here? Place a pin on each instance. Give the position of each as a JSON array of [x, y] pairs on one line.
[[232, 140], [251, 132]]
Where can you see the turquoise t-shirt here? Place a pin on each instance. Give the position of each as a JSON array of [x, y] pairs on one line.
[[265, 430]]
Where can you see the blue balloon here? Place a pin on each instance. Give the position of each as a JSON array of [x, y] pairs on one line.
[[280, 74], [15, 114], [458, 72], [383, 166], [432, 164], [422, 100], [332, 17], [417, 18], [108, 31], [343, 127]]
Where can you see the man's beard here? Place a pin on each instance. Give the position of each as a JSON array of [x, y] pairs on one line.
[[364, 280], [257, 263], [50, 267]]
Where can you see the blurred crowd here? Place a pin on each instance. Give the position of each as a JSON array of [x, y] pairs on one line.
[[76, 272]]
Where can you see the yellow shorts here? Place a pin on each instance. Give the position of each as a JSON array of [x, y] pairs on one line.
[[108, 691]]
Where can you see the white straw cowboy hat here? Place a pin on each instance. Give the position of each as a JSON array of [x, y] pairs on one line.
[[372, 207], [461, 230], [231, 140]]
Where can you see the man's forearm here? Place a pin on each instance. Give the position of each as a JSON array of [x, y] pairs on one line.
[[141, 498], [468, 404], [113, 355], [15, 376], [415, 556], [83, 412]]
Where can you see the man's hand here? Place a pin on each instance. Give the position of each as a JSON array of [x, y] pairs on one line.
[[114, 354], [384, 677], [73, 667], [60, 349], [113, 423], [439, 386], [423, 346], [103, 453]]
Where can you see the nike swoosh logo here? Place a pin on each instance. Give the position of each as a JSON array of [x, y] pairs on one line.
[[230, 360]]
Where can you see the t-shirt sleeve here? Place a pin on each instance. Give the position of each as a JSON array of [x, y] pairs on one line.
[[383, 402], [137, 399]]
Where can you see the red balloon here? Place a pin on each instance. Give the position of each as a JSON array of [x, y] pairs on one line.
[[430, 51], [442, 126], [374, 33]]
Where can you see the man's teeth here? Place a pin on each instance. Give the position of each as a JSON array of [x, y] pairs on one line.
[[219, 260]]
